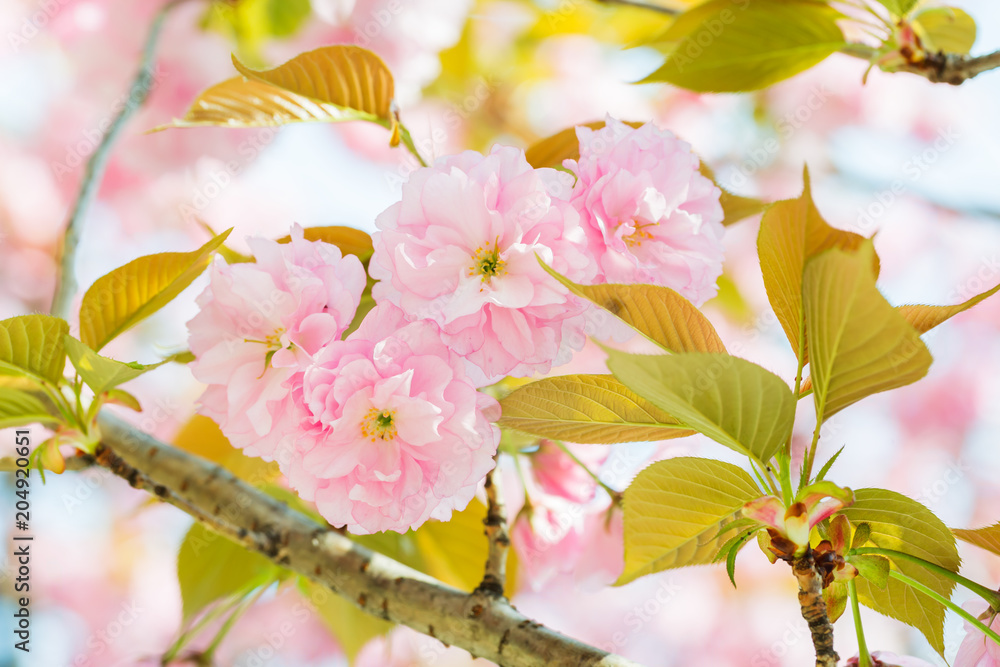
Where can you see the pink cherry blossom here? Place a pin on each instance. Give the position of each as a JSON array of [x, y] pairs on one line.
[[548, 536], [650, 216], [977, 650], [260, 323], [460, 249], [558, 474], [888, 659], [392, 432]]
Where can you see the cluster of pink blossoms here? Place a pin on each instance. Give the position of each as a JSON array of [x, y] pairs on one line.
[[386, 428]]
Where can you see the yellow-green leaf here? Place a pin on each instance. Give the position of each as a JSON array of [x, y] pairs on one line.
[[350, 241], [659, 313], [203, 437], [240, 102], [345, 76], [791, 232], [924, 318], [32, 345], [899, 8], [129, 294], [563, 145], [859, 344], [947, 29], [18, 407], [734, 207], [595, 409], [734, 46], [677, 511], [901, 524], [985, 538], [455, 551], [731, 400], [100, 373], [250, 23], [211, 567]]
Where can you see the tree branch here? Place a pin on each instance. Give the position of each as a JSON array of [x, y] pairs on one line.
[[814, 610], [495, 578], [487, 627], [93, 174], [940, 67]]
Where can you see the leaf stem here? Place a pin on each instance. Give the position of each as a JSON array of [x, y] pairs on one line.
[[864, 658], [244, 605], [93, 174], [992, 597], [186, 636], [931, 593], [407, 140], [616, 496]]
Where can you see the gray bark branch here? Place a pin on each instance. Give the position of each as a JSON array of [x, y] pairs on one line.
[[484, 625]]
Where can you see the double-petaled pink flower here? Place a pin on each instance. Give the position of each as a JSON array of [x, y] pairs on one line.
[[461, 248], [978, 650], [391, 431], [650, 215], [260, 323]]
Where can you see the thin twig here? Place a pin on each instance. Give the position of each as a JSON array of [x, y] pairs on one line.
[[486, 627], [814, 610], [950, 68], [642, 5], [495, 577], [93, 174]]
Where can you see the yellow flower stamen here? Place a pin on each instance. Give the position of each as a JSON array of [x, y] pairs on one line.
[[379, 424]]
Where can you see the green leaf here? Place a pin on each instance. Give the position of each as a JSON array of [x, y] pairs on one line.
[[985, 538], [210, 567], [872, 567], [902, 524], [100, 373], [594, 409], [32, 345], [659, 313], [859, 344], [732, 401], [347, 77], [121, 299], [899, 8], [730, 46], [924, 318], [677, 513], [947, 29], [351, 627], [18, 407], [791, 232], [862, 533]]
